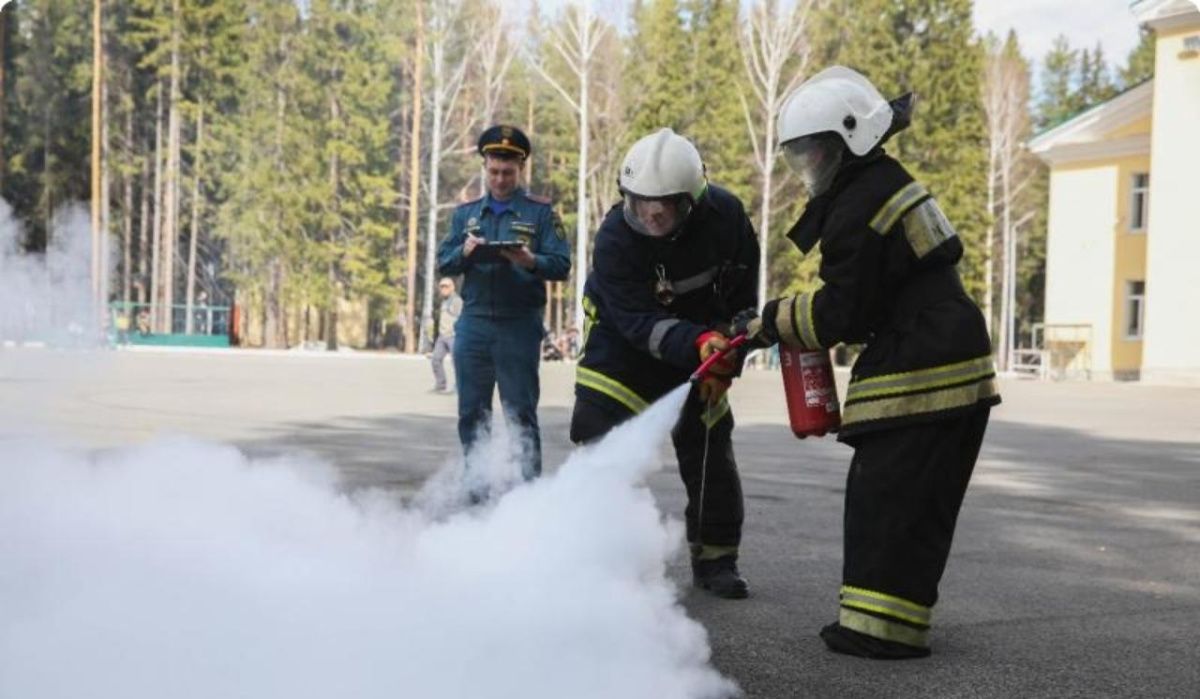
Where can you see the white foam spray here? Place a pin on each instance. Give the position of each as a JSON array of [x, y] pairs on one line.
[[185, 569], [46, 298]]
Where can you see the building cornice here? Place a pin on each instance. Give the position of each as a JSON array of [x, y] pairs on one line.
[[1092, 125], [1069, 153], [1165, 14]]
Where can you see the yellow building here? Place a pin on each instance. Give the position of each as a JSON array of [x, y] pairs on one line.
[[1123, 246]]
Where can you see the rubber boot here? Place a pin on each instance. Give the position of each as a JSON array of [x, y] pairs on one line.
[[720, 577], [850, 642]]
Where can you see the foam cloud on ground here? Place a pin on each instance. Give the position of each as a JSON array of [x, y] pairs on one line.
[[185, 569]]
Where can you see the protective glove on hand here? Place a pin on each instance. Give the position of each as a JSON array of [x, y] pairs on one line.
[[716, 382], [711, 343], [759, 330]]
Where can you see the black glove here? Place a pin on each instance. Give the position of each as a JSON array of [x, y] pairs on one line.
[[759, 330]]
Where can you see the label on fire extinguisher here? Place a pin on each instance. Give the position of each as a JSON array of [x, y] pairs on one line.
[[818, 390]]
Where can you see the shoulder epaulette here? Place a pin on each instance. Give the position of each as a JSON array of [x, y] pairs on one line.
[[538, 198], [476, 200]]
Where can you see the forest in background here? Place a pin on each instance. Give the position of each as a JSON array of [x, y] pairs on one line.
[[302, 158]]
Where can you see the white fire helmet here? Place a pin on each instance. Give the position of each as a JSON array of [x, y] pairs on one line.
[[661, 179], [836, 104]]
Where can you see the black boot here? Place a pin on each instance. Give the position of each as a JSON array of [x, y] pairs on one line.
[[720, 576], [850, 642]]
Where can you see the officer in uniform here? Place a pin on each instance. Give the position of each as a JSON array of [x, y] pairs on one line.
[[499, 334], [672, 263], [921, 390]]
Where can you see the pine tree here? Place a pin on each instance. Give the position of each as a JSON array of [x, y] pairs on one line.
[[718, 124], [661, 69], [51, 139], [928, 47], [1140, 64], [1095, 84], [1059, 98]]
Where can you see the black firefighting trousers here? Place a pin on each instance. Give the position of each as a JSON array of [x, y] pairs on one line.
[[723, 508], [903, 495]]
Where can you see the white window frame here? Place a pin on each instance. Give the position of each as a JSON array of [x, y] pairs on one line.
[[1135, 304], [1134, 192]]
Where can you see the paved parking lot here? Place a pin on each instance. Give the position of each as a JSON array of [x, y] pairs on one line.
[[1075, 572]]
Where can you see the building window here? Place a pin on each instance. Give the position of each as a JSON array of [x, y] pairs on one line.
[[1140, 205], [1135, 309]]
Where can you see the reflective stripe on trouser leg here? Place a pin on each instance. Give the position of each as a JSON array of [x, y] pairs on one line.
[[903, 493], [884, 616], [723, 507]]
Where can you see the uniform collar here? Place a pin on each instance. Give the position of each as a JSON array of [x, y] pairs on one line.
[[518, 193], [807, 231]]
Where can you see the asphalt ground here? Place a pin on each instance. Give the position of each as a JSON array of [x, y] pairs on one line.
[[1075, 569]]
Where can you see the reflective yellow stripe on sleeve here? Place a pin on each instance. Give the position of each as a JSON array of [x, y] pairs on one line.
[[804, 321], [611, 388], [897, 206], [785, 322]]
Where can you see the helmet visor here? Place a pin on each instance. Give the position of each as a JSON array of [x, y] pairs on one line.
[[657, 217], [816, 158]]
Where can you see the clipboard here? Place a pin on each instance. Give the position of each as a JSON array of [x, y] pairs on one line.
[[490, 251]]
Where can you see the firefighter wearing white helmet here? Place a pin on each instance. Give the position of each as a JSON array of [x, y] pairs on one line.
[[662, 178], [921, 389], [673, 261]]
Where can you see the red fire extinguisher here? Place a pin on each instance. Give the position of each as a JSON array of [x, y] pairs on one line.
[[812, 399]]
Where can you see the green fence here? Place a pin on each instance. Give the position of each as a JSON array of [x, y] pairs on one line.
[[130, 324]]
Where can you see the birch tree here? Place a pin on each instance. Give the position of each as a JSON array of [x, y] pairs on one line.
[[449, 58], [1009, 174], [574, 40], [775, 54]]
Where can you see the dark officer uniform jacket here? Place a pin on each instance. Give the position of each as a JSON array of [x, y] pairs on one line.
[[888, 259], [503, 289], [637, 348]]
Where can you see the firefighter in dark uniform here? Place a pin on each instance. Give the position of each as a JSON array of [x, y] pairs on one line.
[[498, 337], [672, 264], [921, 390]]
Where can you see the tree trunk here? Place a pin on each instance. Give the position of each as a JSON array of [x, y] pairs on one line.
[[414, 184], [170, 230], [193, 238], [990, 243], [127, 220], [581, 204], [435, 156], [1006, 283], [331, 338], [156, 253], [144, 236], [97, 99], [3, 92], [764, 230], [105, 193], [272, 333]]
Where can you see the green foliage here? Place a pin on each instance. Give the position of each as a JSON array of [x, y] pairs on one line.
[[1139, 66], [928, 47], [718, 125], [49, 146], [307, 108], [661, 69]]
